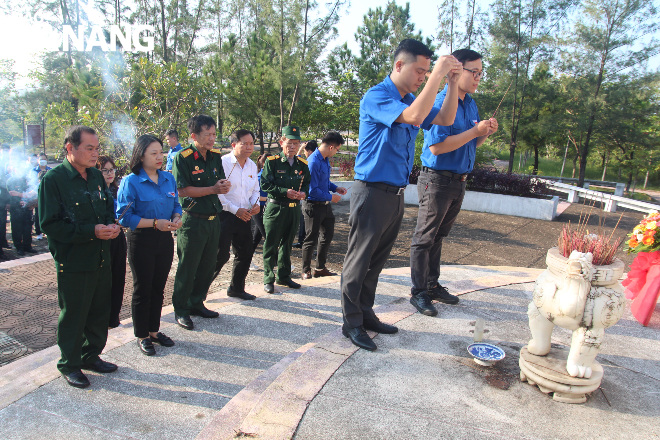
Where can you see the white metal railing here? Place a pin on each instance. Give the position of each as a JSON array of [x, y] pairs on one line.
[[611, 201]]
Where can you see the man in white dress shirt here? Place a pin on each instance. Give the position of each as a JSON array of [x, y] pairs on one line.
[[238, 207]]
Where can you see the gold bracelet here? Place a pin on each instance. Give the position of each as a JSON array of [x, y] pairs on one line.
[[155, 223]]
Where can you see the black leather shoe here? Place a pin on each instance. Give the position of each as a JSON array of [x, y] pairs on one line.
[[269, 288], [31, 251], [20, 253], [204, 312], [441, 294], [146, 346], [101, 366], [290, 283], [76, 379], [380, 327], [423, 303], [185, 322], [242, 295], [162, 339], [359, 337]]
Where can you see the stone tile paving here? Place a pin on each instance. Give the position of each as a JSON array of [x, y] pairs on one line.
[[28, 293]]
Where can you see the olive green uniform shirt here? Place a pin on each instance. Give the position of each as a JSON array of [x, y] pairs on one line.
[[191, 169], [278, 177], [70, 207]]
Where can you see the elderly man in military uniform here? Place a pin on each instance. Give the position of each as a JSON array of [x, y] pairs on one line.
[[76, 211], [286, 180], [199, 178]]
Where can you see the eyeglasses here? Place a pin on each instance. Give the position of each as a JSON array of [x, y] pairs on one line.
[[475, 74], [108, 171]]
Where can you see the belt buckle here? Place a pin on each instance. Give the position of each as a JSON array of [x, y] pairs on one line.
[[212, 217], [292, 205], [401, 191]]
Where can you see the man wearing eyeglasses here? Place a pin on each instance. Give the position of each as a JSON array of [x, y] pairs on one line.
[[447, 158]]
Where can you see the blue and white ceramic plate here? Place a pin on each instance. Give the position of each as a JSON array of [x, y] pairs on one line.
[[486, 354]]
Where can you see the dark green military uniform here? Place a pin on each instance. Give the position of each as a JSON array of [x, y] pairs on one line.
[[197, 240], [282, 214], [70, 207]]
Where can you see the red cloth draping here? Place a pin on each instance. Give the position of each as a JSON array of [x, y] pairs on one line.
[[643, 285]]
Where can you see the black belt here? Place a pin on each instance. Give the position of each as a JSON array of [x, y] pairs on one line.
[[314, 202], [202, 216], [290, 204], [461, 177], [398, 190]]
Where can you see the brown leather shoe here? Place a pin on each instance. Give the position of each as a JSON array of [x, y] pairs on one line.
[[307, 276], [323, 273]]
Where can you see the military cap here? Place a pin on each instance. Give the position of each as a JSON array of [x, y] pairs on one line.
[[291, 132]]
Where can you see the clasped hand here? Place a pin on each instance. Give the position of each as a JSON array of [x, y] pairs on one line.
[[107, 232], [487, 127], [245, 214], [221, 186], [295, 195]]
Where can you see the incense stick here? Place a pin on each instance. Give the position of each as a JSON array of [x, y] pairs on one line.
[[123, 213], [505, 93], [232, 169]]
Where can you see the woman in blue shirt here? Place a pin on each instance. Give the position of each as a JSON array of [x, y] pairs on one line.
[[153, 213], [117, 245]]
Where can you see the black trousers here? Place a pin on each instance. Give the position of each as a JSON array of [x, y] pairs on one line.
[[21, 227], [118, 253], [235, 234], [375, 221], [440, 200], [150, 255], [319, 228], [35, 218], [259, 230], [301, 230]]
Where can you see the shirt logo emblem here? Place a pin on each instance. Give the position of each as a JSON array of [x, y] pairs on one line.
[[474, 122], [281, 171], [171, 194], [198, 171], [196, 167]]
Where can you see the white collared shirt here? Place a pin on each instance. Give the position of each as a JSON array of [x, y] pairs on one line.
[[244, 191]]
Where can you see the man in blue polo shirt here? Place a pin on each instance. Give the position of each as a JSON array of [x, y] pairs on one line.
[[390, 117], [172, 138], [317, 211], [447, 158]]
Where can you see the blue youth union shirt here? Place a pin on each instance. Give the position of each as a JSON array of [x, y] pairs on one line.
[[320, 185], [150, 200], [387, 148], [170, 156], [461, 160]]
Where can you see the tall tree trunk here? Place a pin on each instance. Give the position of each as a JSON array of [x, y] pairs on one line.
[[192, 39], [163, 30], [260, 134], [281, 65], [605, 162], [536, 160], [512, 142]]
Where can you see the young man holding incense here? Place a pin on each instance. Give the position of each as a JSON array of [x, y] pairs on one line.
[[447, 158], [390, 118]]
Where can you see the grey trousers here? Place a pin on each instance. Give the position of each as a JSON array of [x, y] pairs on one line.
[[440, 200], [319, 228], [375, 220]]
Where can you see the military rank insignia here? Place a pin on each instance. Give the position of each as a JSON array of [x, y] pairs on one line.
[[196, 155]]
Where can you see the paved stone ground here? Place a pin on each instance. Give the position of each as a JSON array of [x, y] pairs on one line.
[[255, 373], [28, 293]]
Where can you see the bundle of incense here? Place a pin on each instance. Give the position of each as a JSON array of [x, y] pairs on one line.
[[124, 212], [232, 170], [189, 207], [505, 93]]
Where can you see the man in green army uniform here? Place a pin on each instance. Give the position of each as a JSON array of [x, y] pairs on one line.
[[286, 180], [200, 178], [76, 211]]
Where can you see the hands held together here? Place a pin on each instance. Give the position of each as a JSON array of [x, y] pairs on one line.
[[295, 195], [487, 127]]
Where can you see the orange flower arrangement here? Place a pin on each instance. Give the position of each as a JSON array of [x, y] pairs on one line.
[[642, 238]]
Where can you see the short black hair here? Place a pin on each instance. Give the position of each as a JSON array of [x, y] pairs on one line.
[[139, 149], [333, 137], [172, 132], [311, 145], [236, 136], [74, 134], [409, 49], [198, 123], [465, 55]]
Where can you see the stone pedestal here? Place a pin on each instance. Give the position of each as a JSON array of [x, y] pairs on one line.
[[550, 375]]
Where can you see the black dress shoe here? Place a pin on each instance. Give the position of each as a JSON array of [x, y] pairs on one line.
[[184, 321], [162, 339], [20, 253], [242, 295], [30, 251], [359, 337], [423, 303], [380, 327], [269, 288], [101, 366], [441, 294], [204, 312], [146, 346], [76, 379], [289, 283]]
